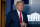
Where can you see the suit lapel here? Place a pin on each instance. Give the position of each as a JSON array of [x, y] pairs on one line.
[[23, 17], [16, 13]]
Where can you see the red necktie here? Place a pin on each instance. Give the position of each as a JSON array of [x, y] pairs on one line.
[[20, 18]]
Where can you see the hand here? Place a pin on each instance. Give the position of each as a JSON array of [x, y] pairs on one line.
[[23, 24]]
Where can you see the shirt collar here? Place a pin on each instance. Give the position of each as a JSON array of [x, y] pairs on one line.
[[19, 12]]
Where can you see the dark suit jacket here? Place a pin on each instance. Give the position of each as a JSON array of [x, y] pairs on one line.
[[12, 19]]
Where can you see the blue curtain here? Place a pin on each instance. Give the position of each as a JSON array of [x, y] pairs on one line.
[[12, 2], [8, 6], [26, 1]]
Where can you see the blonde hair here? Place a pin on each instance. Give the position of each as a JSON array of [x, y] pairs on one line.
[[20, 2]]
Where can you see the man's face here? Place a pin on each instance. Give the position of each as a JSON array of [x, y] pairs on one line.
[[20, 6]]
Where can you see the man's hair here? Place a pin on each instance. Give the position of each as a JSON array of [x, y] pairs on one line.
[[20, 2]]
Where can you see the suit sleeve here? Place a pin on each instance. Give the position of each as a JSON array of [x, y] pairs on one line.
[[8, 20], [28, 25]]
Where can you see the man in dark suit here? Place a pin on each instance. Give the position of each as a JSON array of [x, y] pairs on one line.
[[17, 18]]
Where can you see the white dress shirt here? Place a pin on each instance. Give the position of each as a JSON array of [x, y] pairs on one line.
[[19, 14]]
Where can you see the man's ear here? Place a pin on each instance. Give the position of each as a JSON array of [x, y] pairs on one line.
[[16, 6]]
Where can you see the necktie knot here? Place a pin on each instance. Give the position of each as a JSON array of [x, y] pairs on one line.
[[20, 13]]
